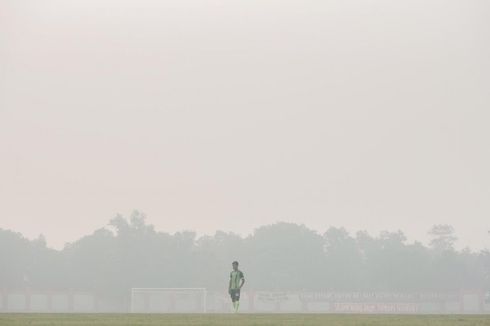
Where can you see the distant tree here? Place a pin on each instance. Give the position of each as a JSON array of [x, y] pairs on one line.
[[15, 256], [129, 252], [285, 256], [443, 237], [344, 265], [214, 257], [26, 263]]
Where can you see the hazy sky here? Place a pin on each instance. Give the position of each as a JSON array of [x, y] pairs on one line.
[[231, 114]]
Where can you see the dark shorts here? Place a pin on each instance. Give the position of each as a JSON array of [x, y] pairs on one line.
[[235, 295]]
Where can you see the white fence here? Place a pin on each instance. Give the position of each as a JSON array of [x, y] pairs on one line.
[[47, 301], [200, 300]]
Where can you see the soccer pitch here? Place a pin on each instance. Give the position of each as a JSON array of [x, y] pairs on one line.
[[240, 319]]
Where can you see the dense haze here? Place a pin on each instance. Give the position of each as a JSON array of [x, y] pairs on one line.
[[228, 115], [129, 253]]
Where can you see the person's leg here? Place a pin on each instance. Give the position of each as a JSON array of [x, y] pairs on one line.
[[237, 300], [233, 300]]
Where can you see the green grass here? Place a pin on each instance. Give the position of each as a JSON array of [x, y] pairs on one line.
[[240, 319]]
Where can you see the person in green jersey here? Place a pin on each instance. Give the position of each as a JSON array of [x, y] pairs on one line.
[[236, 282]]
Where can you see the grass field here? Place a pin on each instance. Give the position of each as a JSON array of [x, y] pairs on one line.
[[239, 320]]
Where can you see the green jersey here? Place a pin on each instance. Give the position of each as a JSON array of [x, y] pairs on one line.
[[235, 278]]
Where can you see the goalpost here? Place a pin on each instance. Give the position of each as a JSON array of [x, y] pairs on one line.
[[168, 300]]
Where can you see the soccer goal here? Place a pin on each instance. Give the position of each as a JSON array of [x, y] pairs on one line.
[[168, 300]]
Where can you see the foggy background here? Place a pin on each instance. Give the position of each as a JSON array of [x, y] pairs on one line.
[[288, 267], [229, 115], [338, 149]]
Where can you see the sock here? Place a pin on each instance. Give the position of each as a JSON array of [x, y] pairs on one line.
[[237, 306]]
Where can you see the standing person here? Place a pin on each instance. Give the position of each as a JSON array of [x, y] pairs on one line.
[[236, 282]]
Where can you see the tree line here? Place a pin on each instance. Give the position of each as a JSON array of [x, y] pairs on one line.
[[283, 256]]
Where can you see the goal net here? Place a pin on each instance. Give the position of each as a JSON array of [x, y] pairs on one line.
[[168, 300]]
